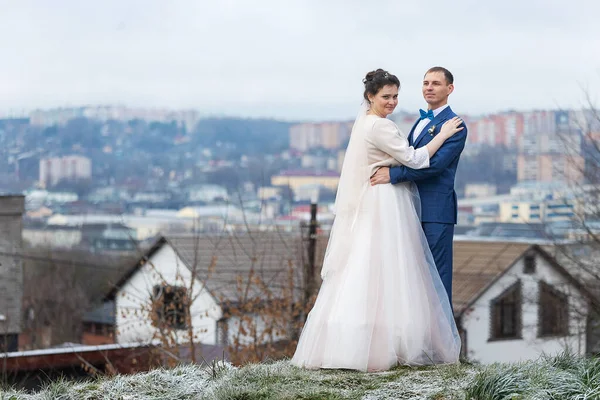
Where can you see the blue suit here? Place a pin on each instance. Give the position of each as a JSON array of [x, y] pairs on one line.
[[436, 189]]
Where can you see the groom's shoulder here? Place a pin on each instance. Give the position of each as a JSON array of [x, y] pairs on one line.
[[452, 114]]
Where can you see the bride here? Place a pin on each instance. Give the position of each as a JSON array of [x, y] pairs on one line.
[[382, 302]]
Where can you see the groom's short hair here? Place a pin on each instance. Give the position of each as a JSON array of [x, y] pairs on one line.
[[447, 74]]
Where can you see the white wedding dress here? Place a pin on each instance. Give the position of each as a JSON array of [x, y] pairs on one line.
[[382, 302]]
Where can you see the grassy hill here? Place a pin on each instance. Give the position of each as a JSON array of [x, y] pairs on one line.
[[562, 377]]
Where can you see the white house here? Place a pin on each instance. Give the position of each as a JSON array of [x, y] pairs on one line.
[[234, 277], [514, 302]]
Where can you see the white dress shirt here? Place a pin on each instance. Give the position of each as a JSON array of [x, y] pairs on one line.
[[423, 123]]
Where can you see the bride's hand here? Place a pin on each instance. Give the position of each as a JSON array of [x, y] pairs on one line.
[[450, 127]]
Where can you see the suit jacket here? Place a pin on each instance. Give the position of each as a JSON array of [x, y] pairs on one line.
[[436, 183]]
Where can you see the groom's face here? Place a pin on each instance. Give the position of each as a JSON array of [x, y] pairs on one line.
[[436, 89]]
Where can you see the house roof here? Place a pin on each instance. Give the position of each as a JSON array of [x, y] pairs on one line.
[[158, 243], [479, 264], [581, 260], [225, 262], [125, 357], [510, 230]]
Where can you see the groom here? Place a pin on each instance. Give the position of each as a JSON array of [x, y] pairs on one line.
[[436, 183]]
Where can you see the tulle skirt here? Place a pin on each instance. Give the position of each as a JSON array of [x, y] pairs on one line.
[[382, 302]]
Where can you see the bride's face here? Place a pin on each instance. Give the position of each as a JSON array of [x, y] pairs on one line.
[[385, 101]]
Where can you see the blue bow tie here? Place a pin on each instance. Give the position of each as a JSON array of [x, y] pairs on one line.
[[428, 114]]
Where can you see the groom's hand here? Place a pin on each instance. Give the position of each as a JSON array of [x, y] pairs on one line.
[[381, 176]]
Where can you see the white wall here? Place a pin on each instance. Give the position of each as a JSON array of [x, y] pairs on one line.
[[260, 323], [476, 320], [133, 322]]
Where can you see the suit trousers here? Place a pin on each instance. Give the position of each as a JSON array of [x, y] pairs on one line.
[[440, 237]]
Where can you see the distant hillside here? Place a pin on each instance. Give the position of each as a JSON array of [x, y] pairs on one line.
[[256, 135]]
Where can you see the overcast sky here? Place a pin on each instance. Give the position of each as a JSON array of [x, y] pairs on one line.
[[294, 59]]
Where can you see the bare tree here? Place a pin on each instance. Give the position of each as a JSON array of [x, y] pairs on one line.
[[255, 275], [59, 288], [577, 242]]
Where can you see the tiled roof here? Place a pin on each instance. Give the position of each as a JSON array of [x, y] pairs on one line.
[[225, 263], [581, 260], [478, 264]]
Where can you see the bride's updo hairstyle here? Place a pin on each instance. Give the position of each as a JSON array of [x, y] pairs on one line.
[[376, 80]]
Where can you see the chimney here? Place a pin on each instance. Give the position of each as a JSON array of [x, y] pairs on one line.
[[11, 270]]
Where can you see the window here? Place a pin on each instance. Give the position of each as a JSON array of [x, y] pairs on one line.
[[170, 307], [9, 342], [506, 314], [529, 264], [95, 328], [553, 312], [560, 214]]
